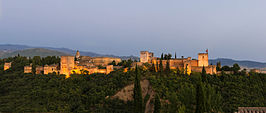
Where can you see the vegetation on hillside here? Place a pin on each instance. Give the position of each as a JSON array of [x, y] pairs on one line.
[[176, 92]]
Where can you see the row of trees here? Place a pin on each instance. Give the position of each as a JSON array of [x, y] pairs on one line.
[[201, 92], [124, 63]]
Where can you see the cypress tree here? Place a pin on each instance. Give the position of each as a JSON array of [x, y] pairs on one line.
[[162, 56], [153, 68], [200, 98], [167, 67], [203, 75], [157, 104], [161, 66], [218, 66], [175, 55], [137, 93]]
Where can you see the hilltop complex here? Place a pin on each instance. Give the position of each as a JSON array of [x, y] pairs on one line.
[[77, 65], [186, 64], [87, 65]]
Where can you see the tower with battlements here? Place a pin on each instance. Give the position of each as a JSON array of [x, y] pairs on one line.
[[146, 57], [203, 60]]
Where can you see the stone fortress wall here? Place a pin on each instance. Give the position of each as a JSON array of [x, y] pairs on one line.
[[191, 65]]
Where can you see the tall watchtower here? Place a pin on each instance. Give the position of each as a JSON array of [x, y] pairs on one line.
[[67, 64], [146, 56], [203, 59]]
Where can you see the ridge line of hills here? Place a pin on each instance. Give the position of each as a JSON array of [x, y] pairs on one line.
[[9, 50]]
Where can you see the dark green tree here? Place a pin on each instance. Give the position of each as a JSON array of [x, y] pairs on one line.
[[200, 98], [218, 66], [226, 68], [157, 104], [152, 69], [167, 69], [203, 75], [175, 55], [162, 56], [112, 63], [138, 101], [235, 68], [161, 66]]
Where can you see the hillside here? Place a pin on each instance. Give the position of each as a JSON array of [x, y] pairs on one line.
[[126, 94], [34, 52]]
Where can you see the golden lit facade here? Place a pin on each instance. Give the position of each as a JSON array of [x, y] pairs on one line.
[[7, 65], [77, 65], [188, 64], [28, 69]]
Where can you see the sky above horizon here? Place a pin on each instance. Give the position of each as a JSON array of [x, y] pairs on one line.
[[228, 28]]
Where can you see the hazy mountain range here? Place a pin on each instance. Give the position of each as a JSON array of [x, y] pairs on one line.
[[8, 50]]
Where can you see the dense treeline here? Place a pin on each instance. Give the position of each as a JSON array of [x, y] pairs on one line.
[[176, 92], [54, 93], [218, 93]]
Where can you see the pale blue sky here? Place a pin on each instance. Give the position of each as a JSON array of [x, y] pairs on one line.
[[229, 28]]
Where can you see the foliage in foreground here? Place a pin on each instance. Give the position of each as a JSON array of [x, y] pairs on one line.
[[178, 92]]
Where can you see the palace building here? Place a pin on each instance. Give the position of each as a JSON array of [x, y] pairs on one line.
[[77, 65], [188, 64]]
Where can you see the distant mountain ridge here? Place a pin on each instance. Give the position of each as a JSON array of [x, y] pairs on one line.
[[242, 63], [34, 52], [8, 50]]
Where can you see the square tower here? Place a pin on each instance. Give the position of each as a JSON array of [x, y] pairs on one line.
[[146, 56], [203, 59], [67, 64]]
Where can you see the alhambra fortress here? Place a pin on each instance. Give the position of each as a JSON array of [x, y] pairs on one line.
[[77, 65], [88, 65], [186, 64]]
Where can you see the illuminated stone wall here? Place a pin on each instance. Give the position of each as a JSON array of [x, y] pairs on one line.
[[104, 61], [109, 69], [188, 64], [211, 69], [50, 69], [27, 69], [39, 70]]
